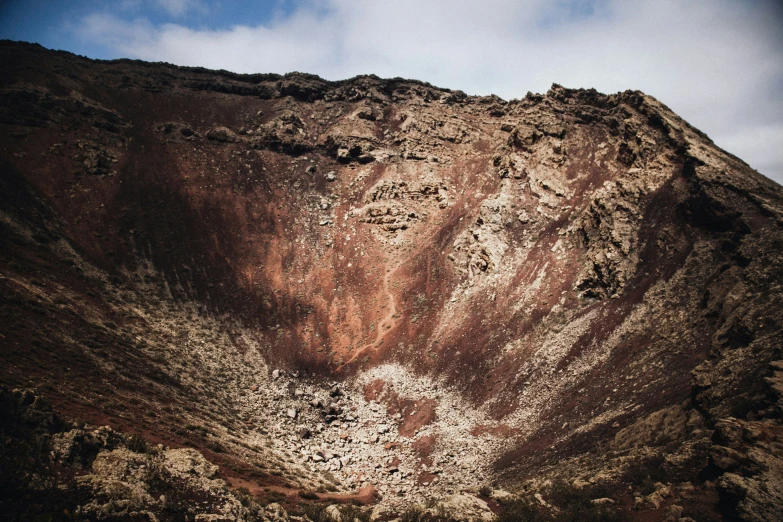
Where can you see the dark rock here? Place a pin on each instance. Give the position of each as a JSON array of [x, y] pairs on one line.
[[222, 134]]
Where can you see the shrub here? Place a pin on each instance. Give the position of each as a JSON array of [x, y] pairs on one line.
[[137, 444], [415, 513], [645, 473], [575, 504], [521, 510], [412, 514], [316, 512], [565, 496], [308, 495], [351, 513]]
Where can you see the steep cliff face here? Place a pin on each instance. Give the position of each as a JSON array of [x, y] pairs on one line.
[[570, 284]]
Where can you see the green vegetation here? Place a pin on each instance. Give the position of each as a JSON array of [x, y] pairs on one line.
[[644, 474], [566, 503]]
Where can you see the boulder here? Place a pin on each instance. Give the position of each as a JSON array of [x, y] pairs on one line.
[[275, 513], [466, 508], [222, 134], [333, 512]]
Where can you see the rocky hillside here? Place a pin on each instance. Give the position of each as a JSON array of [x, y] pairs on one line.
[[383, 292]]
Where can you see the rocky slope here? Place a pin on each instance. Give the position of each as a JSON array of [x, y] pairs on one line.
[[385, 292]]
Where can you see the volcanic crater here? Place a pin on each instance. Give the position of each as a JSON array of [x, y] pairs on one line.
[[281, 291]]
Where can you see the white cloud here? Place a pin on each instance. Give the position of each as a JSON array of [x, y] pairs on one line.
[[718, 63], [178, 7], [173, 8], [118, 34]]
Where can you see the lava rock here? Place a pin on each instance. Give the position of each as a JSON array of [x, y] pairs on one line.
[[222, 134]]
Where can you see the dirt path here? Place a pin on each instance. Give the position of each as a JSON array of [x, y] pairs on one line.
[[392, 307], [387, 320]]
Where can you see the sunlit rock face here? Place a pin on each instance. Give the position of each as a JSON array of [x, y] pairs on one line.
[[570, 285]]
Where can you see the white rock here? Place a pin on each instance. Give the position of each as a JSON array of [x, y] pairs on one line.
[[467, 508], [333, 512]]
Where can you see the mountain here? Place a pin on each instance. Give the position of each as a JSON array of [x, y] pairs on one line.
[[382, 292]]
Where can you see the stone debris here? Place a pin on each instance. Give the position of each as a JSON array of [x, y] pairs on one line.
[[465, 508], [336, 429], [121, 477], [286, 133]]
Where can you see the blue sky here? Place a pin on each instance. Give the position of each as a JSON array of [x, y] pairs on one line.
[[718, 63], [55, 24]]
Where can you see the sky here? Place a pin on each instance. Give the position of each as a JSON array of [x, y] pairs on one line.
[[717, 63]]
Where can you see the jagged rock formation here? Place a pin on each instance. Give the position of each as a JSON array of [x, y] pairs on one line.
[[95, 473], [568, 287]]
